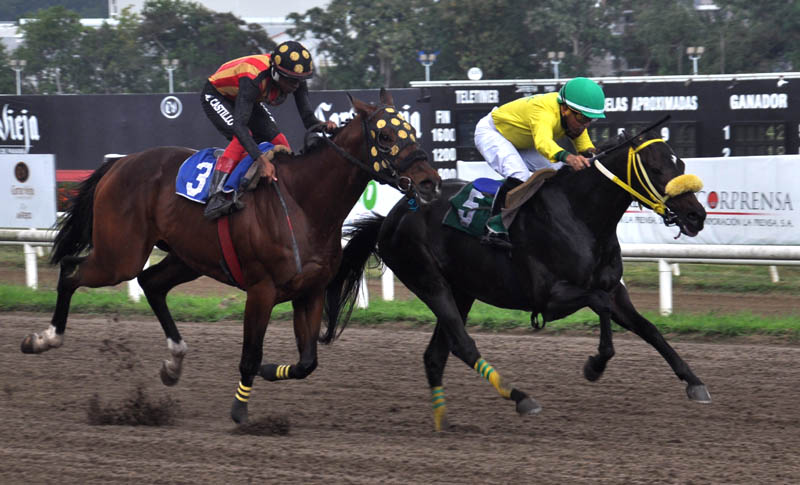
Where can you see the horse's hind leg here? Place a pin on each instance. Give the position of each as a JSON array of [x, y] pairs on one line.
[[104, 266], [435, 359], [53, 337], [624, 313], [451, 310], [156, 281]]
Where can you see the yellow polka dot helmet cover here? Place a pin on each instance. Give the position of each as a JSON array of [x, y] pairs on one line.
[[293, 60]]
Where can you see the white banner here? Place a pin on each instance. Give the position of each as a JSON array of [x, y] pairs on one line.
[[27, 191], [749, 200]]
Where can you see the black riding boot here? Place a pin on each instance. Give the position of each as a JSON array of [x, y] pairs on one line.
[[500, 240], [218, 204]]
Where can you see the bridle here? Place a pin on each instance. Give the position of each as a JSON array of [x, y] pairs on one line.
[[383, 164], [652, 197]]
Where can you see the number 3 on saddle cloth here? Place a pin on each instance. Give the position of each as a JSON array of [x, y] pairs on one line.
[[471, 206], [193, 177]]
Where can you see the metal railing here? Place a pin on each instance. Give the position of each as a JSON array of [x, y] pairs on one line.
[[666, 255]]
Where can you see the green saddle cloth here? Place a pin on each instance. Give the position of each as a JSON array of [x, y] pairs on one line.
[[469, 212]]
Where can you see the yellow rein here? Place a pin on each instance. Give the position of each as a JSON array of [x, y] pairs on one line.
[[653, 199]]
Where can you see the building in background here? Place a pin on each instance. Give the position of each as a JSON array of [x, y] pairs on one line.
[[9, 35]]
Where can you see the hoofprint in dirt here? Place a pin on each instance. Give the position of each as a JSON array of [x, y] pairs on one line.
[[364, 416]]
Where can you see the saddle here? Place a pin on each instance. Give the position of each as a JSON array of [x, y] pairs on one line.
[[470, 207], [195, 173], [257, 170], [517, 196]]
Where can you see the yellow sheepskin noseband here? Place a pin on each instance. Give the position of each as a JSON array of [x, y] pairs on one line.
[[682, 184]]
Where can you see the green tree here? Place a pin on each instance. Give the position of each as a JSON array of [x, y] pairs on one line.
[[7, 75], [51, 41], [110, 59], [754, 37], [489, 34], [200, 39], [580, 29], [656, 41], [368, 43], [375, 43]]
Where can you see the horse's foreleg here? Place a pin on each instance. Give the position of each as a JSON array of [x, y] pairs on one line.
[[624, 313], [257, 310], [53, 337], [156, 281], [566, 299], [307, 321]]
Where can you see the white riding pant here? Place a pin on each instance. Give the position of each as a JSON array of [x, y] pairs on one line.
[[503, 156]]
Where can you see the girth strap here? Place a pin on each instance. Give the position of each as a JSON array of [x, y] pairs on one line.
[[228, 251]]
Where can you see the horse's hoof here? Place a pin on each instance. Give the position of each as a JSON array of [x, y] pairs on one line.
[[27, 344], [698, 393], [592, 370], [167, 378], [528, 406], [239, 411]]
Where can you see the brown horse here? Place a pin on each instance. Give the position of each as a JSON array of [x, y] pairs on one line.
[[129, 205]]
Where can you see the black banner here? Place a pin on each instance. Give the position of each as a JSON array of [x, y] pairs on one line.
[[710, 118]]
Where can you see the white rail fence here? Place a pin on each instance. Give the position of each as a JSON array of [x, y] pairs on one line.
[[666, 255]]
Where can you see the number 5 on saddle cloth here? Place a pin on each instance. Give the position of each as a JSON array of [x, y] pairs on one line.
[[195, 171], [470, 207]]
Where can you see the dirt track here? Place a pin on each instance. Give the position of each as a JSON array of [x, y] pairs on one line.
[[364, 415]]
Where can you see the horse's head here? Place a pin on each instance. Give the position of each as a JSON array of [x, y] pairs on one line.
[[656, 176], [393, 155]]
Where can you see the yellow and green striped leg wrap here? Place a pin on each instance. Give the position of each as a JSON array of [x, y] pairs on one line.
[[243, 392], [487, 371], [439, 407]]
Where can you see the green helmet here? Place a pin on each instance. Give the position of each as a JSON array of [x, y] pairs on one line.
[[585, 96]]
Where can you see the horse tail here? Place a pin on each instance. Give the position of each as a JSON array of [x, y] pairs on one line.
[[342, 291], [75, 228]]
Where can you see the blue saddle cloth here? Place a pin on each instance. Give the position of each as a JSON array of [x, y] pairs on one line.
[[193, 177]]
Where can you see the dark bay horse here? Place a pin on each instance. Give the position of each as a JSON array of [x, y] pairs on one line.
[[565, 256], [129, 205]]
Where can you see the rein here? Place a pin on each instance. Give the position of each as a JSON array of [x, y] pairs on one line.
[[377, 164], [678, 185], [358, 163], [653, 199]]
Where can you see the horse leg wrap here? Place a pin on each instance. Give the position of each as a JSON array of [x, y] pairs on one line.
[[243, 392], [439, 407], [487, 371], [275, 372]]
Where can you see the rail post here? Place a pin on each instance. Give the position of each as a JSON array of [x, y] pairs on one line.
[[664, 287]]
